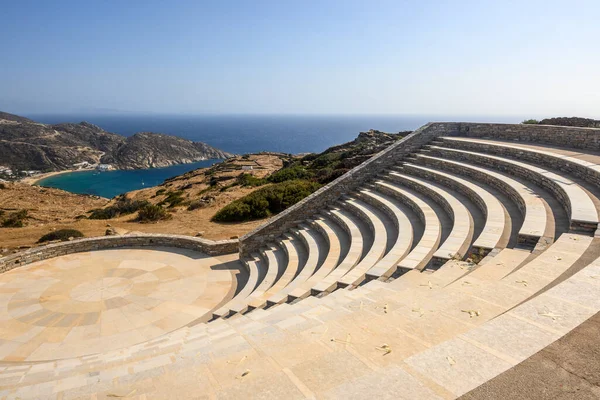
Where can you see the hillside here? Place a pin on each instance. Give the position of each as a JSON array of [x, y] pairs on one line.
[[191, 199], [28, 145]]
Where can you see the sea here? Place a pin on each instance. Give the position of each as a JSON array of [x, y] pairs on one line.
[[236, 134]]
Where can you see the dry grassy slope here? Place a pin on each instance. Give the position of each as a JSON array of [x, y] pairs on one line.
[[52, 209]]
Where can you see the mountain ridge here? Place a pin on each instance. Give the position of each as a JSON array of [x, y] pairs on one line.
[[30, 145]]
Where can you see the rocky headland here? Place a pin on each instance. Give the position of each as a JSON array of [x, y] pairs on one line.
[[26, 145]]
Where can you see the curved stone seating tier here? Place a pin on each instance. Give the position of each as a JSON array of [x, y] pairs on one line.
[[535, 221], [387, 265], [494, 234], [334, 236], [420, 256], [346, 220], [576, 202], [572, 161], [380, 238], [274, 266], [314, 244], [459, 240], [276, 261], [293, 250], [240, 300]]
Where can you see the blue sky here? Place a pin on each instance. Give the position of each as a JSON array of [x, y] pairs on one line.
[[460, 57]]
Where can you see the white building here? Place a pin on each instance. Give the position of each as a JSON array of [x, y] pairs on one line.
[[104, 167]]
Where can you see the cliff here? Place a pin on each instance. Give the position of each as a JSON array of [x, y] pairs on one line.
[[28, 145]]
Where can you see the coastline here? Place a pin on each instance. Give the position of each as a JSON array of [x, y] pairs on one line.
[[34, 180]]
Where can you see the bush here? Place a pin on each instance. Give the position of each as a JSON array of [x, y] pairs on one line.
[[530, 122], [290, 173], [160, 191], [15, 220], [266, 201], [123, 206], [152, 213], [61, 234], [2, 185], [250, 180], [173, 199]]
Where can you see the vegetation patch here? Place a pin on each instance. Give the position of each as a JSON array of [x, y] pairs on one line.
[[152, 213], [249, 180], [15, 219], [266, 201], [61, 234], [173, 199], [530, 122], [122, 206], [2, 185]]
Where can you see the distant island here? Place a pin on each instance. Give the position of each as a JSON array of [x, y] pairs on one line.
[[29, 148]]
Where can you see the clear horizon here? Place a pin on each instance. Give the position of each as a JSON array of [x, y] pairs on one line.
[[531, 59]]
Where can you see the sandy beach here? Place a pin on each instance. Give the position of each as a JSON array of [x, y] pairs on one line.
[[33, 180]]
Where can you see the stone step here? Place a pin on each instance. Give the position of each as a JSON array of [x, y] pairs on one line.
[[536, 224], [577, 203], [458, 242], [381, 228], [334, 236], [496, 231], [313, 243], [387, 265], [255, 265], [347, 221], [420, 256]]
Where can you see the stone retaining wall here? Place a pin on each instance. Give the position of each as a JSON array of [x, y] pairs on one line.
[[110, 242], [563, 136], [345, 184]]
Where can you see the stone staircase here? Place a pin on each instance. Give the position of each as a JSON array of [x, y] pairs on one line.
[[445, 269]]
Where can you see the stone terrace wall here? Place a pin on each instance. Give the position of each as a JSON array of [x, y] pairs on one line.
[[564, 136], [318, 201], [110, 242]]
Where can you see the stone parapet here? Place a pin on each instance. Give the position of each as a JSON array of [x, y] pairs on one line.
[[111, 242]]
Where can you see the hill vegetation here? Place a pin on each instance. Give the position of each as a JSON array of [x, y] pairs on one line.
[[302, 176], [566, 121]]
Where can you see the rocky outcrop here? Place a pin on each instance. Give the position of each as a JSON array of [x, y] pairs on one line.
[[28, 145], [154, 150]]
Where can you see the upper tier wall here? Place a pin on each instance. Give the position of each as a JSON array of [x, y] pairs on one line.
[[560, 136], [346, 183]]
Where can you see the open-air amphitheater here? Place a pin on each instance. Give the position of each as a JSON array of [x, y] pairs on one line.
[[436, 269]]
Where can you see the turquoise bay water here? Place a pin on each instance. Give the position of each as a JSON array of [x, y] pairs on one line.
[[111, 183]]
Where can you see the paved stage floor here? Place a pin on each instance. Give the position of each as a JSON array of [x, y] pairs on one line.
[[93, 302]]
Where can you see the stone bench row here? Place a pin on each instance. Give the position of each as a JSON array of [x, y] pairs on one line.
[[577, 203]]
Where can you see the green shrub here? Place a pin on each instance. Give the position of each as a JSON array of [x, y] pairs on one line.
[[152, 213], [173, 199], [160, 191], [61, 234], [122, 206], [249, 180], [266, 201], [15, 220], [531, 122], [331, 160], [290, 173]]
